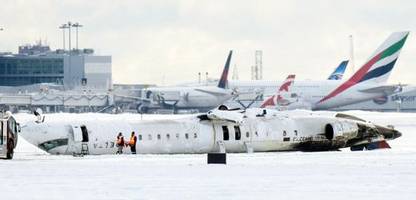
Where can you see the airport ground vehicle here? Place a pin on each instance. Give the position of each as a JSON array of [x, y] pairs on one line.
[[9, 130]]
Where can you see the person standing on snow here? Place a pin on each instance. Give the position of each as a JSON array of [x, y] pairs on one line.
[[120, 143], [132, 142]]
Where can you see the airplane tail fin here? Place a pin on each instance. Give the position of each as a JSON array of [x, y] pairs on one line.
[[288, 82], [278, 98], [339, 71], [378, 68], [222, 83]]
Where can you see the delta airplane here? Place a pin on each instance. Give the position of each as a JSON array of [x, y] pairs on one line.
[[367, 83], [219, 130], [194, 97]]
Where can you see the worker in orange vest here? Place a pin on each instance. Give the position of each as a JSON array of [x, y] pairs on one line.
[[132, 143], [120, 143]]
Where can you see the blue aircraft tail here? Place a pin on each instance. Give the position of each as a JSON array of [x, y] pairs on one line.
[[339, 71], [222, 83]]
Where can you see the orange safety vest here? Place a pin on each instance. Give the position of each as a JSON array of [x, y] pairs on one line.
[[132, 140]]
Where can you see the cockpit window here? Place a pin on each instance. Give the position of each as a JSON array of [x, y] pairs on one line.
[[48, 145]]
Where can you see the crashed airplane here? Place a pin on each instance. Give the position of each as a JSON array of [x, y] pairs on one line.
[[219, 130]]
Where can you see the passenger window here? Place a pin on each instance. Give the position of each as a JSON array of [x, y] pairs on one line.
[[237, 132], [284, 133], [195, 135], [167, 136], [140, 137], [226, 134], [247, 134], [150, 137], [158, 136], [296, 133], [186, 136], [257, 134]]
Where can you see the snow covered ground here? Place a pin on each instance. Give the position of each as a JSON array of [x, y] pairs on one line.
[[381, 174]]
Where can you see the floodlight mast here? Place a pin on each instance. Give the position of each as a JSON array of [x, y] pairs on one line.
[[69, 36], [63, 27], [76, 25]]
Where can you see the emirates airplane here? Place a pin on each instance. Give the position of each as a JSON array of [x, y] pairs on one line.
[[369, 82]]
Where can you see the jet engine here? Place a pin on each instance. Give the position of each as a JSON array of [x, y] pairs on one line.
[[341, 130]]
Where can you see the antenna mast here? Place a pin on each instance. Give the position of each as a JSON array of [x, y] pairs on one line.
[[352, 61]]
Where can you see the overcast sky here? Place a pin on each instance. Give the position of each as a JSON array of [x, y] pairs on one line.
[[171, 41]]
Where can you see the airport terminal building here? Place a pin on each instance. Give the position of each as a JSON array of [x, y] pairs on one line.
[[38, 64], [37, 77]]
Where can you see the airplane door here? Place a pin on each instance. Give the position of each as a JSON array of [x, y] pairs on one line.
[[77, 134], [80, 133], [231, 136], [219, 137], [78, 140]]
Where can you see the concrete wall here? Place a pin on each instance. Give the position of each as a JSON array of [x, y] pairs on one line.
[[98, 71]]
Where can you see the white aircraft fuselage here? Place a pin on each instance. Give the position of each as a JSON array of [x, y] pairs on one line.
[[255, 130], [309, 92], [189, 97]]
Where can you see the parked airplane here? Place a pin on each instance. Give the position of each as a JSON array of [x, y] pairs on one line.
[[367, 83], [285, 98], [339, 71], [195, 97], [252, 130]]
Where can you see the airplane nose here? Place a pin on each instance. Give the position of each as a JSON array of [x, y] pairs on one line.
[[389, 133], [397, 134]]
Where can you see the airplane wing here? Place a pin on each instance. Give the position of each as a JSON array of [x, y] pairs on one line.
[[386, 89], [226, 115]]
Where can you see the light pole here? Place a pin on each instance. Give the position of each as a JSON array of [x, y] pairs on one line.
[[69, 36], [63, 27], [76, 25]]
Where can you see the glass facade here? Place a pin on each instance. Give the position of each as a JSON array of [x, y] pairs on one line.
[[17, 71]]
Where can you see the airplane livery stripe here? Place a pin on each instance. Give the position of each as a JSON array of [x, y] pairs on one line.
[[380, 71], [353, 80], [223, 80], [394, 48], [268, 102]]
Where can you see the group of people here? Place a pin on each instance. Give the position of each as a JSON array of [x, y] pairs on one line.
[[121, 143]]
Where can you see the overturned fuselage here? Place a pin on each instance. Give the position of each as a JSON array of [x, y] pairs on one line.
[[253, 130]]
